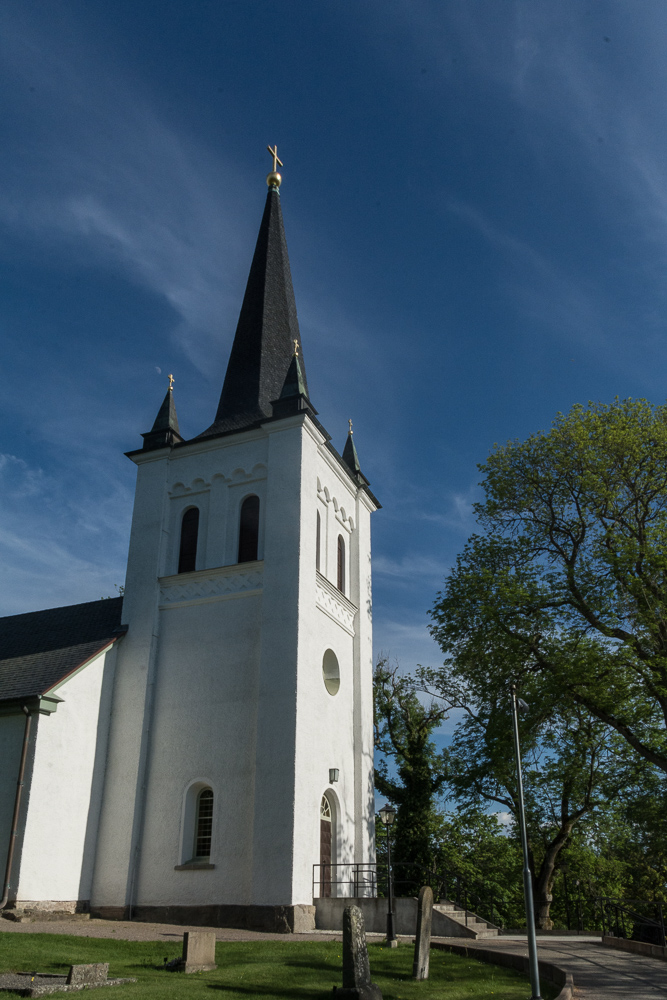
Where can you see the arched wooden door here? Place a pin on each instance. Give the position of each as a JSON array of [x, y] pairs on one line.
[[325, 846]]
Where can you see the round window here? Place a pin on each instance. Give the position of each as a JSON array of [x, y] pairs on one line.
[[331, 672]]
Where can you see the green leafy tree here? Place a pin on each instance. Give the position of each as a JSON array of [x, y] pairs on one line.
[[473, 852], [569, 577], [572, 763], [410, 771]]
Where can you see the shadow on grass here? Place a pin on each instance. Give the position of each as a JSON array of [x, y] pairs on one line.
[[306, 992]]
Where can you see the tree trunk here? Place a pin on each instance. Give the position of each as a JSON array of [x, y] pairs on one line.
[[543, 921]]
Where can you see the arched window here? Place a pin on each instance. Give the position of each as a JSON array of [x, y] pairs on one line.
[[249, 529], [187, 555], [203, 825], [318, 541], [340, 582]]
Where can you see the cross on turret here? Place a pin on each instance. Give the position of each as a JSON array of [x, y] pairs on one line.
[[274, 154]]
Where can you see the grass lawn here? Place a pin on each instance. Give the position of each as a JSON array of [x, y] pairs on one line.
[[271, 970]]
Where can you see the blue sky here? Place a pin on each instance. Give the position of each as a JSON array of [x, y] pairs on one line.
[[475, 198]]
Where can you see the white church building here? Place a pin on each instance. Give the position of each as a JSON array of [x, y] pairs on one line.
[[197, 747]]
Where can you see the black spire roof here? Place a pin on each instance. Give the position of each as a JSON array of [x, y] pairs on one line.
[[164, 432], [263, 346], [350, 456]]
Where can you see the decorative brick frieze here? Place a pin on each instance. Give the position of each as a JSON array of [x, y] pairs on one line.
[[211, 584], [334, 604]]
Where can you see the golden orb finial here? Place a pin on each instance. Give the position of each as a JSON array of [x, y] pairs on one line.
[[274, 179], [171, 381]]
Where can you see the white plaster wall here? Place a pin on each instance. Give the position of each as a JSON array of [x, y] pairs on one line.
[[62, 799], [232, 687], [154, 674], [132, 695], [332, 731], [206, 689], [274, 802]]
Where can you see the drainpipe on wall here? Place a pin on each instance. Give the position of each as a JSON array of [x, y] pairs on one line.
[[17, 806]]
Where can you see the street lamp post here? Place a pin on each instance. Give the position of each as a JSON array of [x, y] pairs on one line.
[[527, 877], [388, 815]]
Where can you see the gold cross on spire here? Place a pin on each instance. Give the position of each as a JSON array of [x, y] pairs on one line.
[[350, 423], [274, 154], [296, 348], [171, 381]]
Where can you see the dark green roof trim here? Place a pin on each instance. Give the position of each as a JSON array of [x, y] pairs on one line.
[[36, 705]]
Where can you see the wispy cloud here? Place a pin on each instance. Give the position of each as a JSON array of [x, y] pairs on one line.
[[408, 568], [113, 181], [74, 543]]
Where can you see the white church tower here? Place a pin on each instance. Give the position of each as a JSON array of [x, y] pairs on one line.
[[240, 751]]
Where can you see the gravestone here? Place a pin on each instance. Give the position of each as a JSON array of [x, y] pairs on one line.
[[85, 975], [423, 938], [198, 951], [357, 983]]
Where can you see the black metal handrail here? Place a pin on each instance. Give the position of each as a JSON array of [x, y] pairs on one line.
[[371, 879], [615, 911], [359, 878]]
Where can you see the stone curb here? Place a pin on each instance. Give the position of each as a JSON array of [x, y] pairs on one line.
[[555, 975], [636, 947]]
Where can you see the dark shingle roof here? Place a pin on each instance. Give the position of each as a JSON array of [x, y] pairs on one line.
[[39, 648], [267, 328]]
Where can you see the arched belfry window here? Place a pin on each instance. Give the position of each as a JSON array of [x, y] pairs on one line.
[[318, 541], [187, 554], [340, 580], [203, 824], [249, 529]]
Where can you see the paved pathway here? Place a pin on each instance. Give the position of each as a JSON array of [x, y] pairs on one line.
[[599, 973]]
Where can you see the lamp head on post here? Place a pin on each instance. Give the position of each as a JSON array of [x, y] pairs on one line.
[[387, 815], [520, 703]]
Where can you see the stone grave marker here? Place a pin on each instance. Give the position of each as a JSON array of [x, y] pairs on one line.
[[198, 951], [423, 938], [84, 975], [357, 983]]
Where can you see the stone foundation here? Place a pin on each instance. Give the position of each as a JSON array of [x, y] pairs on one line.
[[28, 911], [51, 905], [298, 918]]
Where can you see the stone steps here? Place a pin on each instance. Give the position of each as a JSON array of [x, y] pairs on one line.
[[472, 927]]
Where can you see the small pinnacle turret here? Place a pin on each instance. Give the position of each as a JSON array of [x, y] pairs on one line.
[[164, 432], [351, 458]]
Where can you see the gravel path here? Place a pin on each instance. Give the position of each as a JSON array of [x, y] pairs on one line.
[[130, 930]]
